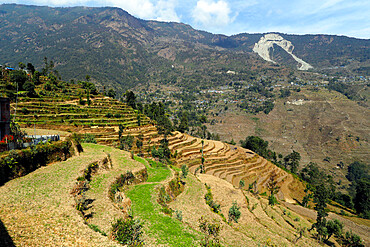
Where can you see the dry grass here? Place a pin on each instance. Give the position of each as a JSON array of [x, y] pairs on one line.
[[194, 192], [356, 225], [262, 225], [36, 131], [38, 210], [327, 125]]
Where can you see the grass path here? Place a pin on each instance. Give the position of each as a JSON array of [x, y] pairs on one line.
[[159, 228]]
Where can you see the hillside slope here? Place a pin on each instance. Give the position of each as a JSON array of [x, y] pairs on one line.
[[104, 116], [38, 209], [41, 203], [316, 124], [265, 46], [119, 51]]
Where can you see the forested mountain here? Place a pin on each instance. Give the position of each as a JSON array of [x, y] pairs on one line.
[[120, 51]]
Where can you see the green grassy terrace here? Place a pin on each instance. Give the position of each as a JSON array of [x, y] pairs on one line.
[[163, 228]]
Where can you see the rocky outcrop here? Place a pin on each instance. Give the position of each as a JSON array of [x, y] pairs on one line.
[[266, 43]]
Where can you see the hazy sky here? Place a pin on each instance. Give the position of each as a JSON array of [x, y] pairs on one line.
[[341, 17]]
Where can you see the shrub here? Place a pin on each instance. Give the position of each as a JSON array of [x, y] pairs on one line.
[[254, 206], [211, 231], [82, 203], [234, 213], [96, 228], [155, 164], [81, 101], [241, 183], [272, 200], [342, 212], [91, 168], [184, 170], [128, 231], [25, 111], [167, 210], [125, 179], [334, 227], [18, 163], [80, 187], [178, 215], [176, 186], [215, 207], [89, 138], [351, 239], [163, 197], [77, 140], [126, 142]]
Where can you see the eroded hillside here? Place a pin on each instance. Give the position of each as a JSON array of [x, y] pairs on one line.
[[265, 47], [316, 124]]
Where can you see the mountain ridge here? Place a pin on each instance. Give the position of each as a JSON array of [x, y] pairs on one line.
[[105, 39]]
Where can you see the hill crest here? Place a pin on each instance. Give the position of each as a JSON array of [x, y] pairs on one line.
[[97, 41]]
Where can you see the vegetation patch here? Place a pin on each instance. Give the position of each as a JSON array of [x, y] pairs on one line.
[[97, 229], [128, 232], [211, 232], [165, 229], [168, 193], [82, 185], [215, 207], [234, 213], [126, 179], [157, 170], [17, 163]]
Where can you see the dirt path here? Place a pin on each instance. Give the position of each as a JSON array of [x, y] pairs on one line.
[[285, 189], [361, 230]]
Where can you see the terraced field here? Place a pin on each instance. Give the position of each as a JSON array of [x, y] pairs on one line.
[[104, 115], [316, 124], [222, 160], [41, 203]]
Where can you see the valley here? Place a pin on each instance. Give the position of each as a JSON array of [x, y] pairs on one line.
[[172, 136], [225, 168]]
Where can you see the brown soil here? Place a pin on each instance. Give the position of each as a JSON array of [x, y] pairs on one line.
[[327, 124], [359, 229]]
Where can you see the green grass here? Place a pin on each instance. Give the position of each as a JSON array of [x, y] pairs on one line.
[[97, 181], [164, 229], [157, 171]]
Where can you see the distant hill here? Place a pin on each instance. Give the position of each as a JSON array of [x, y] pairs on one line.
[[120, 51]]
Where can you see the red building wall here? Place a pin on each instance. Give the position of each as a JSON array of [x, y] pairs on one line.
[[4, 117]]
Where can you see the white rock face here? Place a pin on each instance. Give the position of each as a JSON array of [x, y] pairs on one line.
[[267, 42]]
